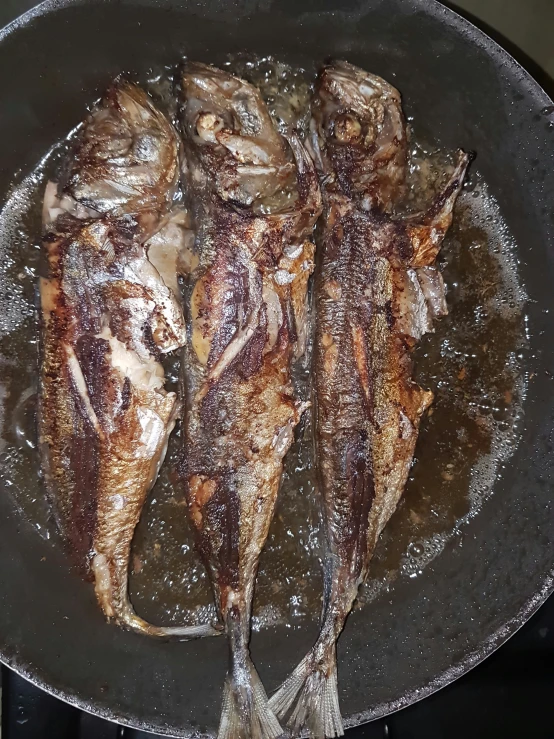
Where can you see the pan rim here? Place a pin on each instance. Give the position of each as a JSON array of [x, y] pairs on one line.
[[494, 642], [503, 57]]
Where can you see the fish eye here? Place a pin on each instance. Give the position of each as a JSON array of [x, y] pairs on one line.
[[207, 125], [347, 128]]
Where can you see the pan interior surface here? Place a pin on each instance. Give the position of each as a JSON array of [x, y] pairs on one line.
[[463, 91]]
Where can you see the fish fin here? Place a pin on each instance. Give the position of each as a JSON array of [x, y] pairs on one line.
[[307, 180], [128, 619], [180, 633], [112, 593], [245, 712], [427, 230], [310, 694], [115, 603]]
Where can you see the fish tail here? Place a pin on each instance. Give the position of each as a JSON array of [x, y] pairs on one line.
[[310, 695], [113, 596], [131, 620], [245, 713]]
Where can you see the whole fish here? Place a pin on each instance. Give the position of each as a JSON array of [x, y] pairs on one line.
[[375, 295], [110, 309], [255, 200]]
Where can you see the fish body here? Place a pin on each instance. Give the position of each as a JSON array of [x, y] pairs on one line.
[[247, 310], [110, 310], [376, 294]]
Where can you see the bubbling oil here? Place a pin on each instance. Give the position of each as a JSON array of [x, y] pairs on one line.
[[473, 362]]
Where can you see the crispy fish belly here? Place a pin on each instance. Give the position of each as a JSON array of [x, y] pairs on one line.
[[376, 294], [109, 312], [248, 315]]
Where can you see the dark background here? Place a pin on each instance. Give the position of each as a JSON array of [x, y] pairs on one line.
[[506, 696]]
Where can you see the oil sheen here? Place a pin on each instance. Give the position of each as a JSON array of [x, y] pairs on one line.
[[474, 362]]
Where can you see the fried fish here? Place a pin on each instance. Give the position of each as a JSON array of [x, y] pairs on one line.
[[110, 310], [376, 294], [255, 200]]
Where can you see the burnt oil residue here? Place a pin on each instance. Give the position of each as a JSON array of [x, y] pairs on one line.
[[474, 363]]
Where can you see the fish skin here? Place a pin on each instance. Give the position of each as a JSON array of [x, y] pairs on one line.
[[247, 310], [376, 293], [127, 157], [107, 318]]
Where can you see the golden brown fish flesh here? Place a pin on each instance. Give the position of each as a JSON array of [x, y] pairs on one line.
[[110, 310], [375, 295], [256, 200]]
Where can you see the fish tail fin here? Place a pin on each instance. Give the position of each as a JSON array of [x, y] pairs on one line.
[[245, 713], [306, 175], [309, 696], [130, 620], [427, 230], [110, 584]]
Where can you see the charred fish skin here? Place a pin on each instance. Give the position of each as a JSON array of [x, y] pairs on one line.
[[246, 311], [109, 312], [376, 293]]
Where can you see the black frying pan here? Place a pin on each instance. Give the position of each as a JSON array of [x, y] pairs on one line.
[[424, 633]]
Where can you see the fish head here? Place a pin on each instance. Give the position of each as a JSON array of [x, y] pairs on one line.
[[229, 129], [358, 135], [126, 156]]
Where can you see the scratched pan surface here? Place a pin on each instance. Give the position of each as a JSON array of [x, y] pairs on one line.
[[489, 579]]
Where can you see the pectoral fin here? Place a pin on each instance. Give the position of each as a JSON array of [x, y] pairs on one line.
[[426, 230]]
